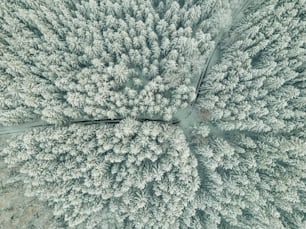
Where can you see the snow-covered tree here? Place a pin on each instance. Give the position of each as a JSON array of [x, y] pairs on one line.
[[142, 174], [259, 83], [58, 57], [250, 181], [250, 144], [113, 74]]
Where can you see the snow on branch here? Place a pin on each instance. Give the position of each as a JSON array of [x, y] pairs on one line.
[[141, 173]]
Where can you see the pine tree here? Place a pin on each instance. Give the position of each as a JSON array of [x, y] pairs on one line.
[[120, 169]]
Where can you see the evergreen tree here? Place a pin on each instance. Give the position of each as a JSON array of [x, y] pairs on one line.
[[89, 90], [141, 174]]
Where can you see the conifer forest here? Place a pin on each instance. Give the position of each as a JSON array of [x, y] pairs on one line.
[[153, 114]]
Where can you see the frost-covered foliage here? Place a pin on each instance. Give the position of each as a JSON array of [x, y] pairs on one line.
[[251, 145], [142, 175], [238, 69], [62, 60], [259, 84], [251, 181]]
